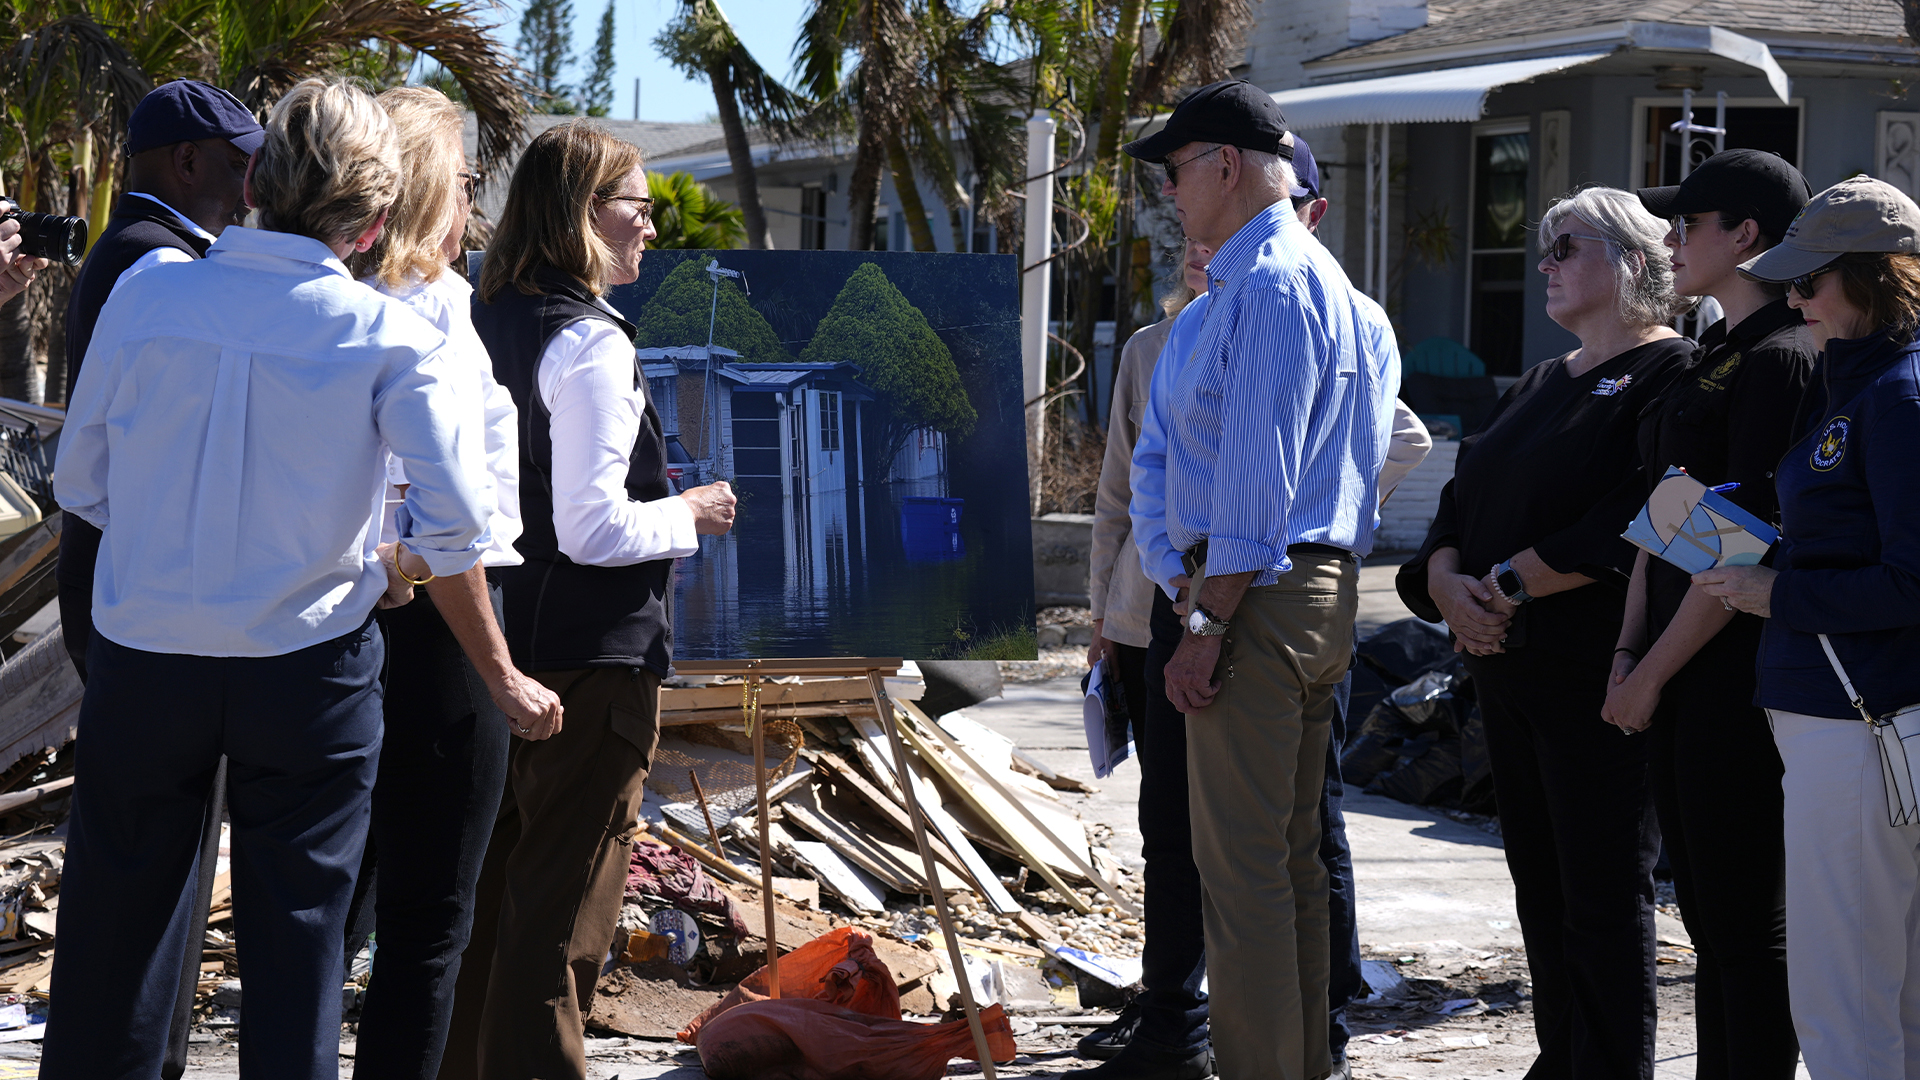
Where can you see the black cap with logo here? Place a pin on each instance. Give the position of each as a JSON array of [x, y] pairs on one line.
[[1754, 184], [1234, 112]]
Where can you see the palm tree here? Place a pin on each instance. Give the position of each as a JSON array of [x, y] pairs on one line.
[[701, 43], [882, 35], [75, 69], [687, 215]]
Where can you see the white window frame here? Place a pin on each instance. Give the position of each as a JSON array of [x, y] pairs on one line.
[[1511, 125], [1637, 151]]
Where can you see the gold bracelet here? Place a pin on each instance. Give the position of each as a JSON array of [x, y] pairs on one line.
[[403, 574]]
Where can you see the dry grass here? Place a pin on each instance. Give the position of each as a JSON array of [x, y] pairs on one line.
[[1070, 474]]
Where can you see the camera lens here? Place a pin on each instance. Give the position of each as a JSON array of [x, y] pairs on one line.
[[50, 236]]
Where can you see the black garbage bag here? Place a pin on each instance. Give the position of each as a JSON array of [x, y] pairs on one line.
[[1402, 651], [1424, 706], [1427, 772], [956, 684]]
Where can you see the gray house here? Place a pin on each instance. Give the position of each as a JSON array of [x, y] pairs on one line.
[[1450, 139]]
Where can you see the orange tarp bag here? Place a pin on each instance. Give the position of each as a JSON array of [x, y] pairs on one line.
[[810, 1039], [838, 967]]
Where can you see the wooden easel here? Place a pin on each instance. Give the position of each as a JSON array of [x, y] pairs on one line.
[[875, 671]]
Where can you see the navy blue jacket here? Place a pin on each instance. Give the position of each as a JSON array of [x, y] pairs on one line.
[[1849, 555]]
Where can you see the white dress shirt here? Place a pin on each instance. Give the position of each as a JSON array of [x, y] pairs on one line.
[[590, 384], [159, 256], [447, 303], [226, 435]]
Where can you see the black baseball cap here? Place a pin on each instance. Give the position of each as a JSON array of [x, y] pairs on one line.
[[1752, 183], [187, 111], [1306, 173], [1234, 112]]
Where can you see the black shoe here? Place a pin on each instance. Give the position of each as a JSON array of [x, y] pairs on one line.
[[1139, 1063], [1105, 1043]]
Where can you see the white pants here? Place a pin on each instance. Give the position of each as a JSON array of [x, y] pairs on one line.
[[1853, 904]]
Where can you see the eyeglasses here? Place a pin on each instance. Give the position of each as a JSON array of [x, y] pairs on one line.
[[1173, 167], [1804, 283], [1680, 225], [1562, 247], [645, 202], [470, 182]]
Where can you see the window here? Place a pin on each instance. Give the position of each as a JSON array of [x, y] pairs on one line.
[[1497, 258], [829, 419], [1749, 126], [883, 229], [813, 218], [756, 434]]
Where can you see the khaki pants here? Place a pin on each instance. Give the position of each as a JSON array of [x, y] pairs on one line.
[[1256, 762], [551, 886]]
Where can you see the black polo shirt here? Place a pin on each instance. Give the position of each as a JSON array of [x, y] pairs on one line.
[[1727, 420]]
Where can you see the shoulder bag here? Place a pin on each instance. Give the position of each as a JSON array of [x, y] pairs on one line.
[[1898, 734]]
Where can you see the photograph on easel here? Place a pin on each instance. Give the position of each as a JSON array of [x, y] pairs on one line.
[[865, 407]]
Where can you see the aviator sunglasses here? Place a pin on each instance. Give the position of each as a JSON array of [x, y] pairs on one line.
[[1173, 167]]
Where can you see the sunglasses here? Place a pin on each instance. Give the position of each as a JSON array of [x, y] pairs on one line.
[[1562, 247], [1680, 225], [1804, 283], [470, 183], [1173, 167], [645, 203]]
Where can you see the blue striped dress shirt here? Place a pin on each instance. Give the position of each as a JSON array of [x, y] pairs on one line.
[[1270, 425]]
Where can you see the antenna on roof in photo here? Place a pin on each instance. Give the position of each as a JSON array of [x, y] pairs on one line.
[[712, 441]]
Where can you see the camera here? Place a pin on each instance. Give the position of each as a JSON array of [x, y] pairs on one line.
[[47, 236]]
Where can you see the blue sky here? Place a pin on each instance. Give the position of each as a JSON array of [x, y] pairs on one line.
[[767, 27]]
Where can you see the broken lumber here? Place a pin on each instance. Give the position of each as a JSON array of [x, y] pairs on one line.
[[1113, 891]]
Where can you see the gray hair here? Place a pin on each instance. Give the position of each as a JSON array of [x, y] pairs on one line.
[[1273, 168], [1643, 271]]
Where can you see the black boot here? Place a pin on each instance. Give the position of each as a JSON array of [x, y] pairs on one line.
[[1105, 1043], [1137, 1062]]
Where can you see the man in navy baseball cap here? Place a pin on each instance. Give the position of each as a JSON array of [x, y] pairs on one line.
[[189, 111], [1309, 205]]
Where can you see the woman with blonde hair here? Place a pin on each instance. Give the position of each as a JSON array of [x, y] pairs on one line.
[[227, 435], [1525, 562], [588, 606], [450, 683]]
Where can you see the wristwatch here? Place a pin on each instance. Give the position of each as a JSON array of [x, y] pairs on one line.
[[1201, 623], [1506, 580]]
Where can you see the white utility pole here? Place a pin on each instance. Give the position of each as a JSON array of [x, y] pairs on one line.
[[1035, 287]]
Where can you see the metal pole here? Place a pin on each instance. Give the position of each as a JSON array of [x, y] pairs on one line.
[[1368, 217], [1381, 236], [1036, 288], [707, 404], [1720, 121], [636, 97], [1686, 133]]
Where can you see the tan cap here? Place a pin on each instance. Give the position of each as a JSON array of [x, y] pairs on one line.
[[1856, 214]]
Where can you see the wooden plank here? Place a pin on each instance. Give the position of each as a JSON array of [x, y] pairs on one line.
[[862, 891], [844, 773], [1025, 762], [684, 717], [19, 554], [16, 800], [855, 817], [936, 815], [826, 831], [666, 834], [1113, 892], [772, 695], [39, 698], [1028, 852], [1005, 947]]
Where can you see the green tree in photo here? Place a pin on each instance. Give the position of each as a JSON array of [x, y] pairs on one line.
[[911, 371], [596, 94], [677, 314]]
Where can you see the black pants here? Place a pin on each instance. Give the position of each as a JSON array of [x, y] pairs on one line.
[[1344, 979], [442, 770], [1716, 778], [1576, 811], [1173, 1010], [301, 733]]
